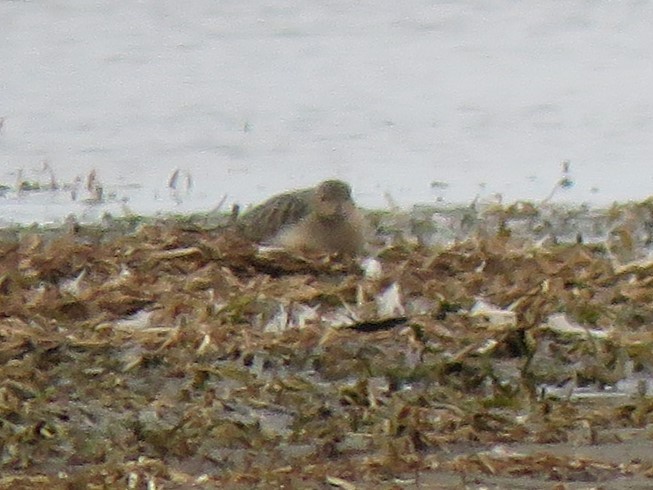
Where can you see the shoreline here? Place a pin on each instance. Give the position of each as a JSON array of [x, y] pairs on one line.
[[479, 347]]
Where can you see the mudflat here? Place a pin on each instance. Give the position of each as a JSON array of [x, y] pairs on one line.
[[495, 347]]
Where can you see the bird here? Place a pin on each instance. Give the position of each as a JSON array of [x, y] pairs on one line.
[[321, 219]]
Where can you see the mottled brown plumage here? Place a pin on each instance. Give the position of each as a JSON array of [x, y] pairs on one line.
[[319, 219]]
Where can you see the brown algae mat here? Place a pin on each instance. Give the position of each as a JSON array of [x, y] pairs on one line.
[[509, 347]]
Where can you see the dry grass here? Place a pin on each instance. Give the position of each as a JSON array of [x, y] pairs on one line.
[[171, 355]]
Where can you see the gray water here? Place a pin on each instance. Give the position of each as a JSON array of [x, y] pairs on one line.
[[251, 98]]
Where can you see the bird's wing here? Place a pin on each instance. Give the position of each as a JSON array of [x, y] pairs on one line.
[[267, 219]]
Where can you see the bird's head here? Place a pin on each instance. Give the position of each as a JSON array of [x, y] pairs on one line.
[[333, 200]]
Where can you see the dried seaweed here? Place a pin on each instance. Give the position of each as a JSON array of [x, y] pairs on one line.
[[173, 354]]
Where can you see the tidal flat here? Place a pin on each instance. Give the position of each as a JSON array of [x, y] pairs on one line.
[[486, 346]]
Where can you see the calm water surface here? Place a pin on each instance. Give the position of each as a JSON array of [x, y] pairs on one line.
[[250, 98]]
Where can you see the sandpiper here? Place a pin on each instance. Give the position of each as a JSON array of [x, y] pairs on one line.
[[320, 219]]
